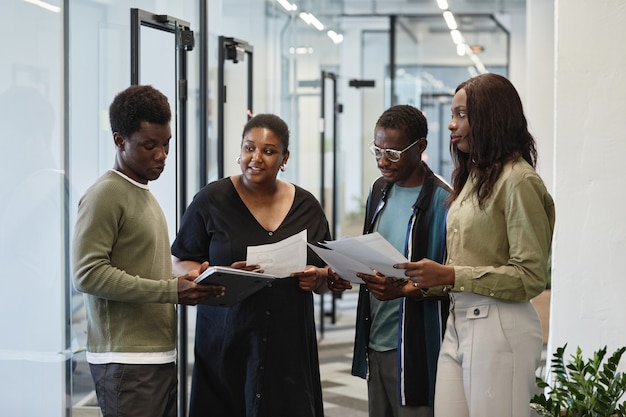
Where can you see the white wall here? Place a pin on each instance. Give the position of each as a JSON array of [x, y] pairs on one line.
[[539, 103], [588, 287], [516, 25]]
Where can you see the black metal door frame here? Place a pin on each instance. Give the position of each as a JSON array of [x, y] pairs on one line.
[[334, 197], [184, 41], [331, 76], [230, 49]]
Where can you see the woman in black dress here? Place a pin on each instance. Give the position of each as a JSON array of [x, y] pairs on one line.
[[258, 358]]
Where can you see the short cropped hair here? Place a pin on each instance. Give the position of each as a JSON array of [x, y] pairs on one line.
[[406, 118], [271, 122], [136, 104]]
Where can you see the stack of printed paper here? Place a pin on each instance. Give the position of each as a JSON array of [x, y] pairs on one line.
[[366, 253]]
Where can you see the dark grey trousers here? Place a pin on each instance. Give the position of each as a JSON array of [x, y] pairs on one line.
[[125, 390], [382, 388]]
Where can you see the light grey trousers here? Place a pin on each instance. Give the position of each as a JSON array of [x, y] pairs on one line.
[[488, 359]]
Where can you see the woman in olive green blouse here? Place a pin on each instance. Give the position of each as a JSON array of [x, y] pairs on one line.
[[499, 233]]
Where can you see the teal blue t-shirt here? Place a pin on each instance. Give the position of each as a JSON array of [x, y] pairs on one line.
[[393, 225]]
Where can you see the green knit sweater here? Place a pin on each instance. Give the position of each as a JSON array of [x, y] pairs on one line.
[[122, 263]]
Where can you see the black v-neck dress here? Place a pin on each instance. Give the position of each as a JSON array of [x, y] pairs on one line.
[[258, 358]]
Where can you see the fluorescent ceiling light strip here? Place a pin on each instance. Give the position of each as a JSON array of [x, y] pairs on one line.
[[44, 5], [461, 47], [301, 50], [443, 4], [287, 6], [449, 18], [306, 17], [310, 19], [315, 22], [336, 37], [457, 37]]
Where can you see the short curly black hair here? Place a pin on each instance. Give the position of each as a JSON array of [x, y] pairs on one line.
[[271, 122], [406, 118], [136, 104]]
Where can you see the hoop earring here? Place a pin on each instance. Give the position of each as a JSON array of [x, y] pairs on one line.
[[283, 168], [238, 160]]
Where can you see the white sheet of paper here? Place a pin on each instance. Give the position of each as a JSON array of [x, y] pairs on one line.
[[344, 266], [372, 250], [281, 258]]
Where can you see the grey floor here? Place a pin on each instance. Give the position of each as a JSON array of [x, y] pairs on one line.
[[344, 395]]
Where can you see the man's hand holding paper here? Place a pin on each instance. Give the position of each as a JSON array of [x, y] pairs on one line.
[[366, 253]]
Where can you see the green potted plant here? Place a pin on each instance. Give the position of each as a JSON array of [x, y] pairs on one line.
[[582, 388]]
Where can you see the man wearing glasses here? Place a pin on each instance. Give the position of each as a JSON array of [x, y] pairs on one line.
[[398, 332]]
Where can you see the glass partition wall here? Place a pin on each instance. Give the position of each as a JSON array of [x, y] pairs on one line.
[[429, 66], [100, 57], [36, 343]]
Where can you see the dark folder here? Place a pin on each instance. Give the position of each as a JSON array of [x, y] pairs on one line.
[[239, 284]]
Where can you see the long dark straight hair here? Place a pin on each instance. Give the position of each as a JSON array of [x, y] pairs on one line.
[[498, 134]]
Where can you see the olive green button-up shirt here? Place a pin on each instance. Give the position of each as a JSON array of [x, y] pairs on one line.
[[502, 250]]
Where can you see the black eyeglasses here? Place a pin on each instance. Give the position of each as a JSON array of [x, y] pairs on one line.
[[391, 154]]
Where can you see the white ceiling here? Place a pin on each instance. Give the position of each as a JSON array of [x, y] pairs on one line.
[[412, 7]]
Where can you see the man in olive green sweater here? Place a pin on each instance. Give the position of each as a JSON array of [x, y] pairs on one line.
[[122, 263]]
